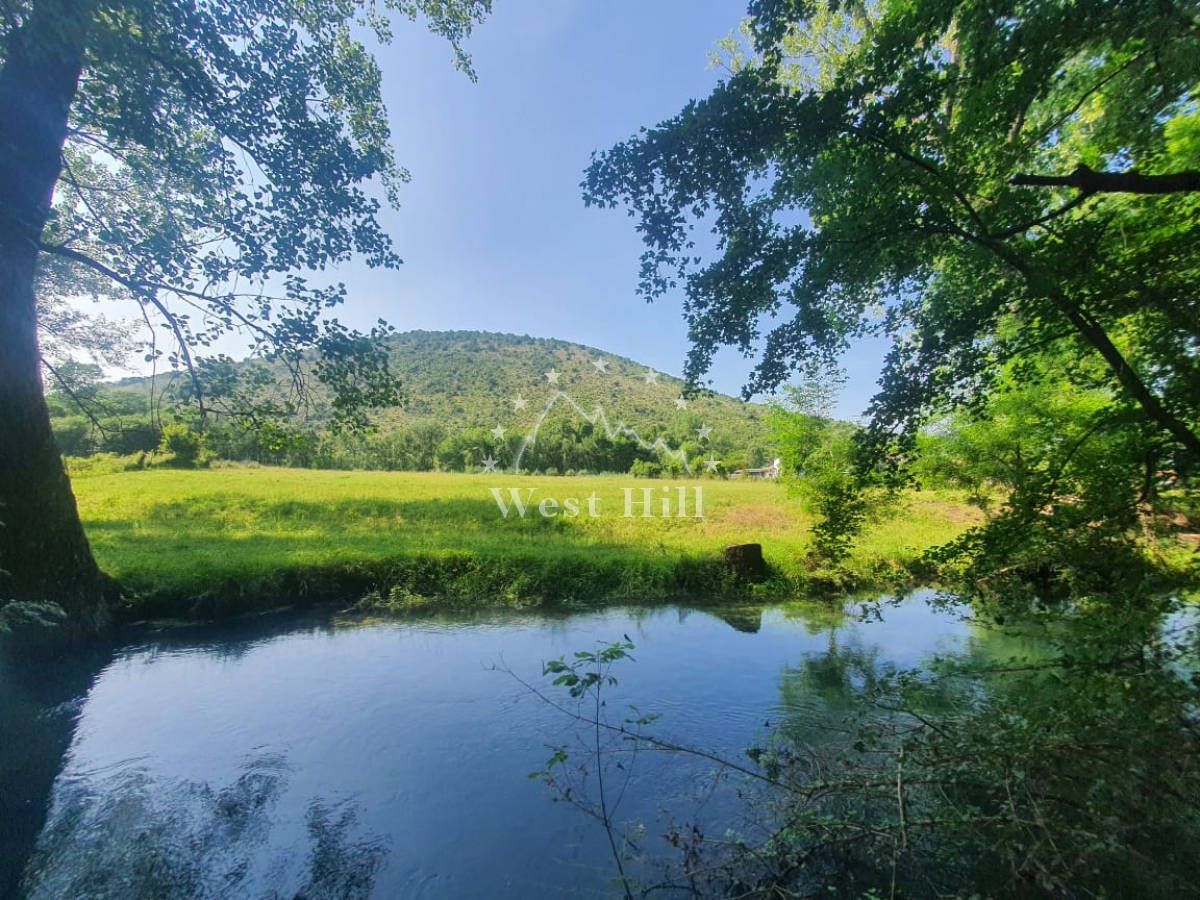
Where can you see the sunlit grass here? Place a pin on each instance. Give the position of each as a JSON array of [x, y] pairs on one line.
[[234, 531]]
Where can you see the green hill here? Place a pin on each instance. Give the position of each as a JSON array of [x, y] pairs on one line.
[[469, 379], [460, 385]]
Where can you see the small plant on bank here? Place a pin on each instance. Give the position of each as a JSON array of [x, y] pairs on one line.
[[16, 614]]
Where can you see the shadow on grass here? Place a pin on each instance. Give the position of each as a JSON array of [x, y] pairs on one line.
[[456, 517]]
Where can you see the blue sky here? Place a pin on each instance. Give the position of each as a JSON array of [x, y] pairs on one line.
[[492, 228]]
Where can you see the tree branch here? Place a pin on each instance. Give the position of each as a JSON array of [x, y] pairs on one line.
[[926, 166], [1092, 332], [75, 398], [1053, 214], [1089, 181], [144, 293]]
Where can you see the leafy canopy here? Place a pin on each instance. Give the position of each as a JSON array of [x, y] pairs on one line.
[[216, 153], [972, 180]]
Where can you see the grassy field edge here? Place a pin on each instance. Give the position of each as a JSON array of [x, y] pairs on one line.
[[222, 542]]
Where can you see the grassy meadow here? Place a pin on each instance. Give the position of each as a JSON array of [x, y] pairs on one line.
[[226, 540]]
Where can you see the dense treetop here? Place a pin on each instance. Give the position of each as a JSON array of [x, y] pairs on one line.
[[974, 180]]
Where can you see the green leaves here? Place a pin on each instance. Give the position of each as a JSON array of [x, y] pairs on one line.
[[16, 614], [214, 151], [914, 170], [857, 176], [588, 670]]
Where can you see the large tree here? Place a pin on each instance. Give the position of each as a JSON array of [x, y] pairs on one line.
[[199, 156], [974, 179]]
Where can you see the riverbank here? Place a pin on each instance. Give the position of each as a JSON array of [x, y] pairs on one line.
[[210, 543]]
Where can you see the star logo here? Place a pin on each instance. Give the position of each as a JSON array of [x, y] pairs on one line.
[[519, 403], [553, 376], [498, 431], [680, 403], [710, 464], [489, 464], [703, 431], [651, 376], [601, 365]]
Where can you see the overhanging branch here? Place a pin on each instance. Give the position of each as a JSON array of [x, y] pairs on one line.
[[75, 398], [146, 295], [1089, 181]]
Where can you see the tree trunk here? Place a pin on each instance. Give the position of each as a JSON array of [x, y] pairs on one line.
[[44, 553], [746, 562]]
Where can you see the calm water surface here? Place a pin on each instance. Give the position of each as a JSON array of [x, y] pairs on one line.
[[317, 759]]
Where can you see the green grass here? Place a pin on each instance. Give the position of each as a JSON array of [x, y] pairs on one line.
[[219, 541]]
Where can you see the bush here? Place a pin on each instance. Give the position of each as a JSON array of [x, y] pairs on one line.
[[183, 442], [73, 436], [643, 468]]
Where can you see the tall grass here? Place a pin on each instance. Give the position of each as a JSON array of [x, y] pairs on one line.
[[225, 540]]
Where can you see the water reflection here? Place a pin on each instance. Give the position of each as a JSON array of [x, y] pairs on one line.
[[41, 691], [132, 835], [315, 758], [819, 694]]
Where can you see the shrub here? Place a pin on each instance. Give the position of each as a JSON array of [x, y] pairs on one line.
[[643, 468], [183, 442]]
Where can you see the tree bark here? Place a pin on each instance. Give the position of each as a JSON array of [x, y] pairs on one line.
[[1090, 181], [44, 553]]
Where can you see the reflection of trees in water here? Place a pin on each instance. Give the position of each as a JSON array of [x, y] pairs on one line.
[[41, 691], [746, 619], [824, 691], [133, 837], [1037, 761], [814, 618], [338, 868]]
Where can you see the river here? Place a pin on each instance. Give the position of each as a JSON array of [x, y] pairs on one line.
[[318, 756]]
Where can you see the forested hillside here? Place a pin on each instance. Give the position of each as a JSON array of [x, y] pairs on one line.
[[459, 386]]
